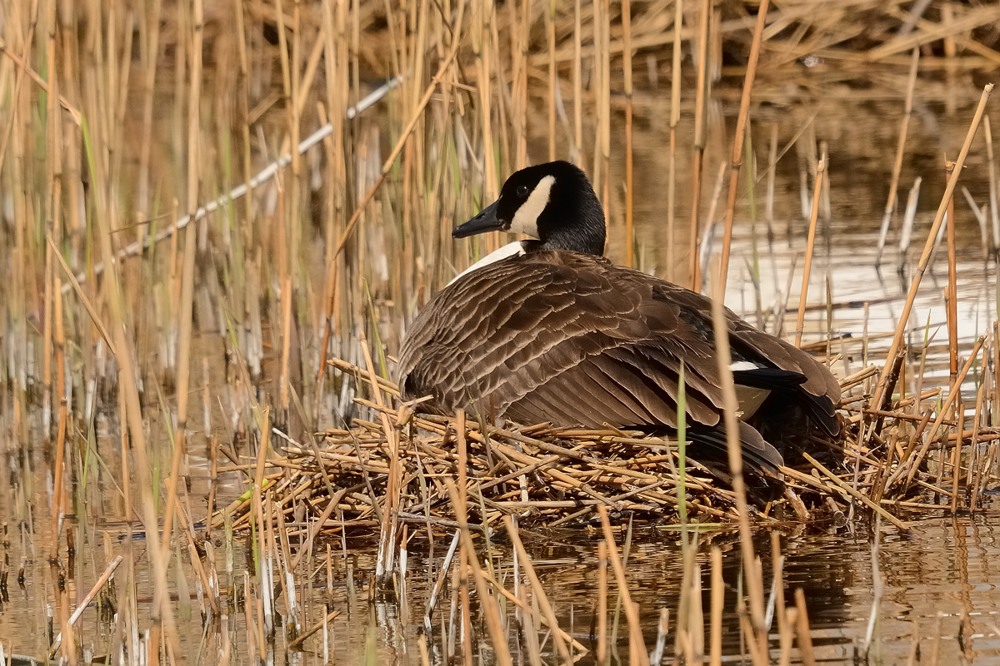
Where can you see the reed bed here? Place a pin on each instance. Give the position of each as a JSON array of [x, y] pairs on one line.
[[203, 202]]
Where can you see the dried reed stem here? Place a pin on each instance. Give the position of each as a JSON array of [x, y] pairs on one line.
[[631, 610], [736, 160], [675, 116], [730, 406], [629, 194], [897, 165], [537, 590], [810, 247], [701, 93], [904, 316]]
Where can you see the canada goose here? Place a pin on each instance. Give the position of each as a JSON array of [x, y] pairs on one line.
[[547, 330]]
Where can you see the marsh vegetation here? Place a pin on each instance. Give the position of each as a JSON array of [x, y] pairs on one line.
[[218, 217]]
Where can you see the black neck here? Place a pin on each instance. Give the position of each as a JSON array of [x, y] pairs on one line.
[[582, 231]]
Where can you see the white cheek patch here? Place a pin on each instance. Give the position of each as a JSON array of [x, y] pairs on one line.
[[526, 218], [509, 250]]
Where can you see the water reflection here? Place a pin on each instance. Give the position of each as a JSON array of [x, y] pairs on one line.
[[940, 588]]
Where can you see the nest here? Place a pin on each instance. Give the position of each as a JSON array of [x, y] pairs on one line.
[[399, 461]]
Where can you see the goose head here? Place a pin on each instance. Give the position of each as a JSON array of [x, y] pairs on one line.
[[553, 203]]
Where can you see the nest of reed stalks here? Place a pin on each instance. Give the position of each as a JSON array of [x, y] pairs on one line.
[[896, 462]]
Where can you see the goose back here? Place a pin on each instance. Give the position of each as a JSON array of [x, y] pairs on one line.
[[573, 340]]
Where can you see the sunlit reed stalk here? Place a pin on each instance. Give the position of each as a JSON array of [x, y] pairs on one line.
[[951, 300], [682, 508], [289, 199], [956, 451], [675, 115], [736, 160], [701, 93], [772, 163], [629, 194], [577, 83], [705, 250], [904, 316], [716, 606], [751, 574], [687, 617], [537, 590], [602, 93], [601, 651], [954, 393], [785, 635], [631, 611], [803, 634], [897, 164], [975, 452], [991, 175], [753, 265], [810, 247], [185, 323], [53, 204], [977, 470], [553, 78]]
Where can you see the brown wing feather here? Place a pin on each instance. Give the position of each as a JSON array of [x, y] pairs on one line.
[[574, 340]]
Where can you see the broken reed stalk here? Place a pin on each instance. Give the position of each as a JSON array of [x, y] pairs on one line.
[[904, 316], [954, 394], [736, 160], [89, 597], [810, 247], [897, 165], [803, 633]]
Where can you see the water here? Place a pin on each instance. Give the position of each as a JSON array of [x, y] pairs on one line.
[[939, 585]]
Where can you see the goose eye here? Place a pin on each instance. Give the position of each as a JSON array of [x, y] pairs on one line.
[[522, 191]]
